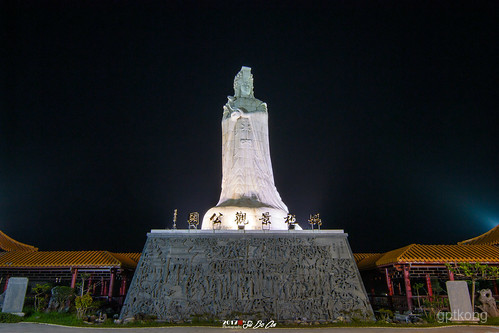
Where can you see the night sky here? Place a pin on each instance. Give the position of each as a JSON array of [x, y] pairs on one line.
[[382, 116]]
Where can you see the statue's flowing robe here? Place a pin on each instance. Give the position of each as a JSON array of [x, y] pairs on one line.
[[248, 179]]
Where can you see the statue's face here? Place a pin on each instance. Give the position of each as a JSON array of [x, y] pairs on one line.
[[245, 89]]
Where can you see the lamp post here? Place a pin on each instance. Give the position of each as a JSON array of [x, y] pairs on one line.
[[175, 219]]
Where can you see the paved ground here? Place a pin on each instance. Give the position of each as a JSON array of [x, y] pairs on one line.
[[42, 328]]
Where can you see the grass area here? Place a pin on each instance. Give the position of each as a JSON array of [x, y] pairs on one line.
[[9, 318], [492, 321], [68, 319]]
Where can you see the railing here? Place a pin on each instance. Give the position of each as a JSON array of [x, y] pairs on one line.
[[399, 302]]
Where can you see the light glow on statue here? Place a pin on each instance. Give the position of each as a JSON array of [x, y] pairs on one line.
[[247, 177]]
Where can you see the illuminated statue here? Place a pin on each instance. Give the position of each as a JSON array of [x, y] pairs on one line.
[[247, 177]]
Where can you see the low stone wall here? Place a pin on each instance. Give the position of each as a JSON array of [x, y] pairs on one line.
[[279, 275]]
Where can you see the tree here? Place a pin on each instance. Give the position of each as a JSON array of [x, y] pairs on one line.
[[416, 287], [81, 286], [61, 298], [41, 292], [474, 272]]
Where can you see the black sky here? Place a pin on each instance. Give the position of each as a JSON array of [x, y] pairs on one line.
[[383, 116]]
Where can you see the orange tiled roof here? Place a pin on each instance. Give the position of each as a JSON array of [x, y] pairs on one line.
[[369, 262], [491, 237], [361, 256], [127, 258], [416, 253], [9, 244], [135, 256], [46, 259]]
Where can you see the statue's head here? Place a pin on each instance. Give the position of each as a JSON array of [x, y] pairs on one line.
[[243, 83]]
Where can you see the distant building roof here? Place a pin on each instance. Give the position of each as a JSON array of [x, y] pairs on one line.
[[491, 237], [135, 256], [9, 244], [62, 259], [432, 254], [361, 256]]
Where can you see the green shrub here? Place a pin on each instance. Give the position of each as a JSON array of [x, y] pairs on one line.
[[9, 318], [61, 298], [83, 304], [42, 296]]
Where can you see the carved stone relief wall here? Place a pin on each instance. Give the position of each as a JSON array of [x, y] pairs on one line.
[[271, 276]]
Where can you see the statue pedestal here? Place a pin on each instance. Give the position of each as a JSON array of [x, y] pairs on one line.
[[247, 274]]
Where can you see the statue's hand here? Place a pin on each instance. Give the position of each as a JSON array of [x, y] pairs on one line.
[[235, 115]]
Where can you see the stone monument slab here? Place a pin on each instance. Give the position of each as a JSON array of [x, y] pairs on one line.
[[278, 275], [15, 294], [460, 301]]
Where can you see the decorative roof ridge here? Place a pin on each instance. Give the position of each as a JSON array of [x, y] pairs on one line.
[[478, 237], [124, 259], [358, 257], [23, 247], [130, 255], [112, 257], [71, 251], [407, 248]]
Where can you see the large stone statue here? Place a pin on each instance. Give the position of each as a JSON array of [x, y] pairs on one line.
[[248, 189], [272, 275]]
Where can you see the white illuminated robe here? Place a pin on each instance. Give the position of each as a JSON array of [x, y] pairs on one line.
[[248, 179]]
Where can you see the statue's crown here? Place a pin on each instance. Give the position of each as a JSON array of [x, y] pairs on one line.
[[243, 77]]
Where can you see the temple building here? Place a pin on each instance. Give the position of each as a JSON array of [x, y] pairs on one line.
[[390, 277], [109, 274]]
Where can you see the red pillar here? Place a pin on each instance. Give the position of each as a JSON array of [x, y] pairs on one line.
[[89, 284], [102, 287], [408, 291], [428, 286], [389, 283], [111, 285], [73, 278], [494, 283], [123, 287], [6, 283], [451, 276]]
